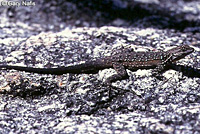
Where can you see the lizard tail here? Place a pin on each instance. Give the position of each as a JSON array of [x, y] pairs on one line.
[[88, 67]]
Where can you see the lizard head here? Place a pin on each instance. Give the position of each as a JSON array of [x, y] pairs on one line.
[[180, 52]]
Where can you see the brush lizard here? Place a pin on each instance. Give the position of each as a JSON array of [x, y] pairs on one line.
[[119, 62]]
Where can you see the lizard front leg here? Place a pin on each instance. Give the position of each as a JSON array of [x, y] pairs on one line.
[[121, 73], [158, 70]]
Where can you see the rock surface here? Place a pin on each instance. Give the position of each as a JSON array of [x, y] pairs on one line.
[[62, 33]]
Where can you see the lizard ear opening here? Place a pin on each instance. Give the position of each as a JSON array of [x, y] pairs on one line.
[[185, 48]]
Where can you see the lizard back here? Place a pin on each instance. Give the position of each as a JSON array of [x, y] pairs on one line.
[[135, 60]]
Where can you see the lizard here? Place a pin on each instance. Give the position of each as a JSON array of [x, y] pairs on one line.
[[119, 61]]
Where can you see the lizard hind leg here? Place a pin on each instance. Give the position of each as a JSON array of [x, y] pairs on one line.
[[121, 74]]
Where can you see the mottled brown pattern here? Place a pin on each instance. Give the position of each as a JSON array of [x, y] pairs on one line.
[[142, 64], [120, 61]]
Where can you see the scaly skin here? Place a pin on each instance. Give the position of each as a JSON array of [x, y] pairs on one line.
[[119, 61]]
